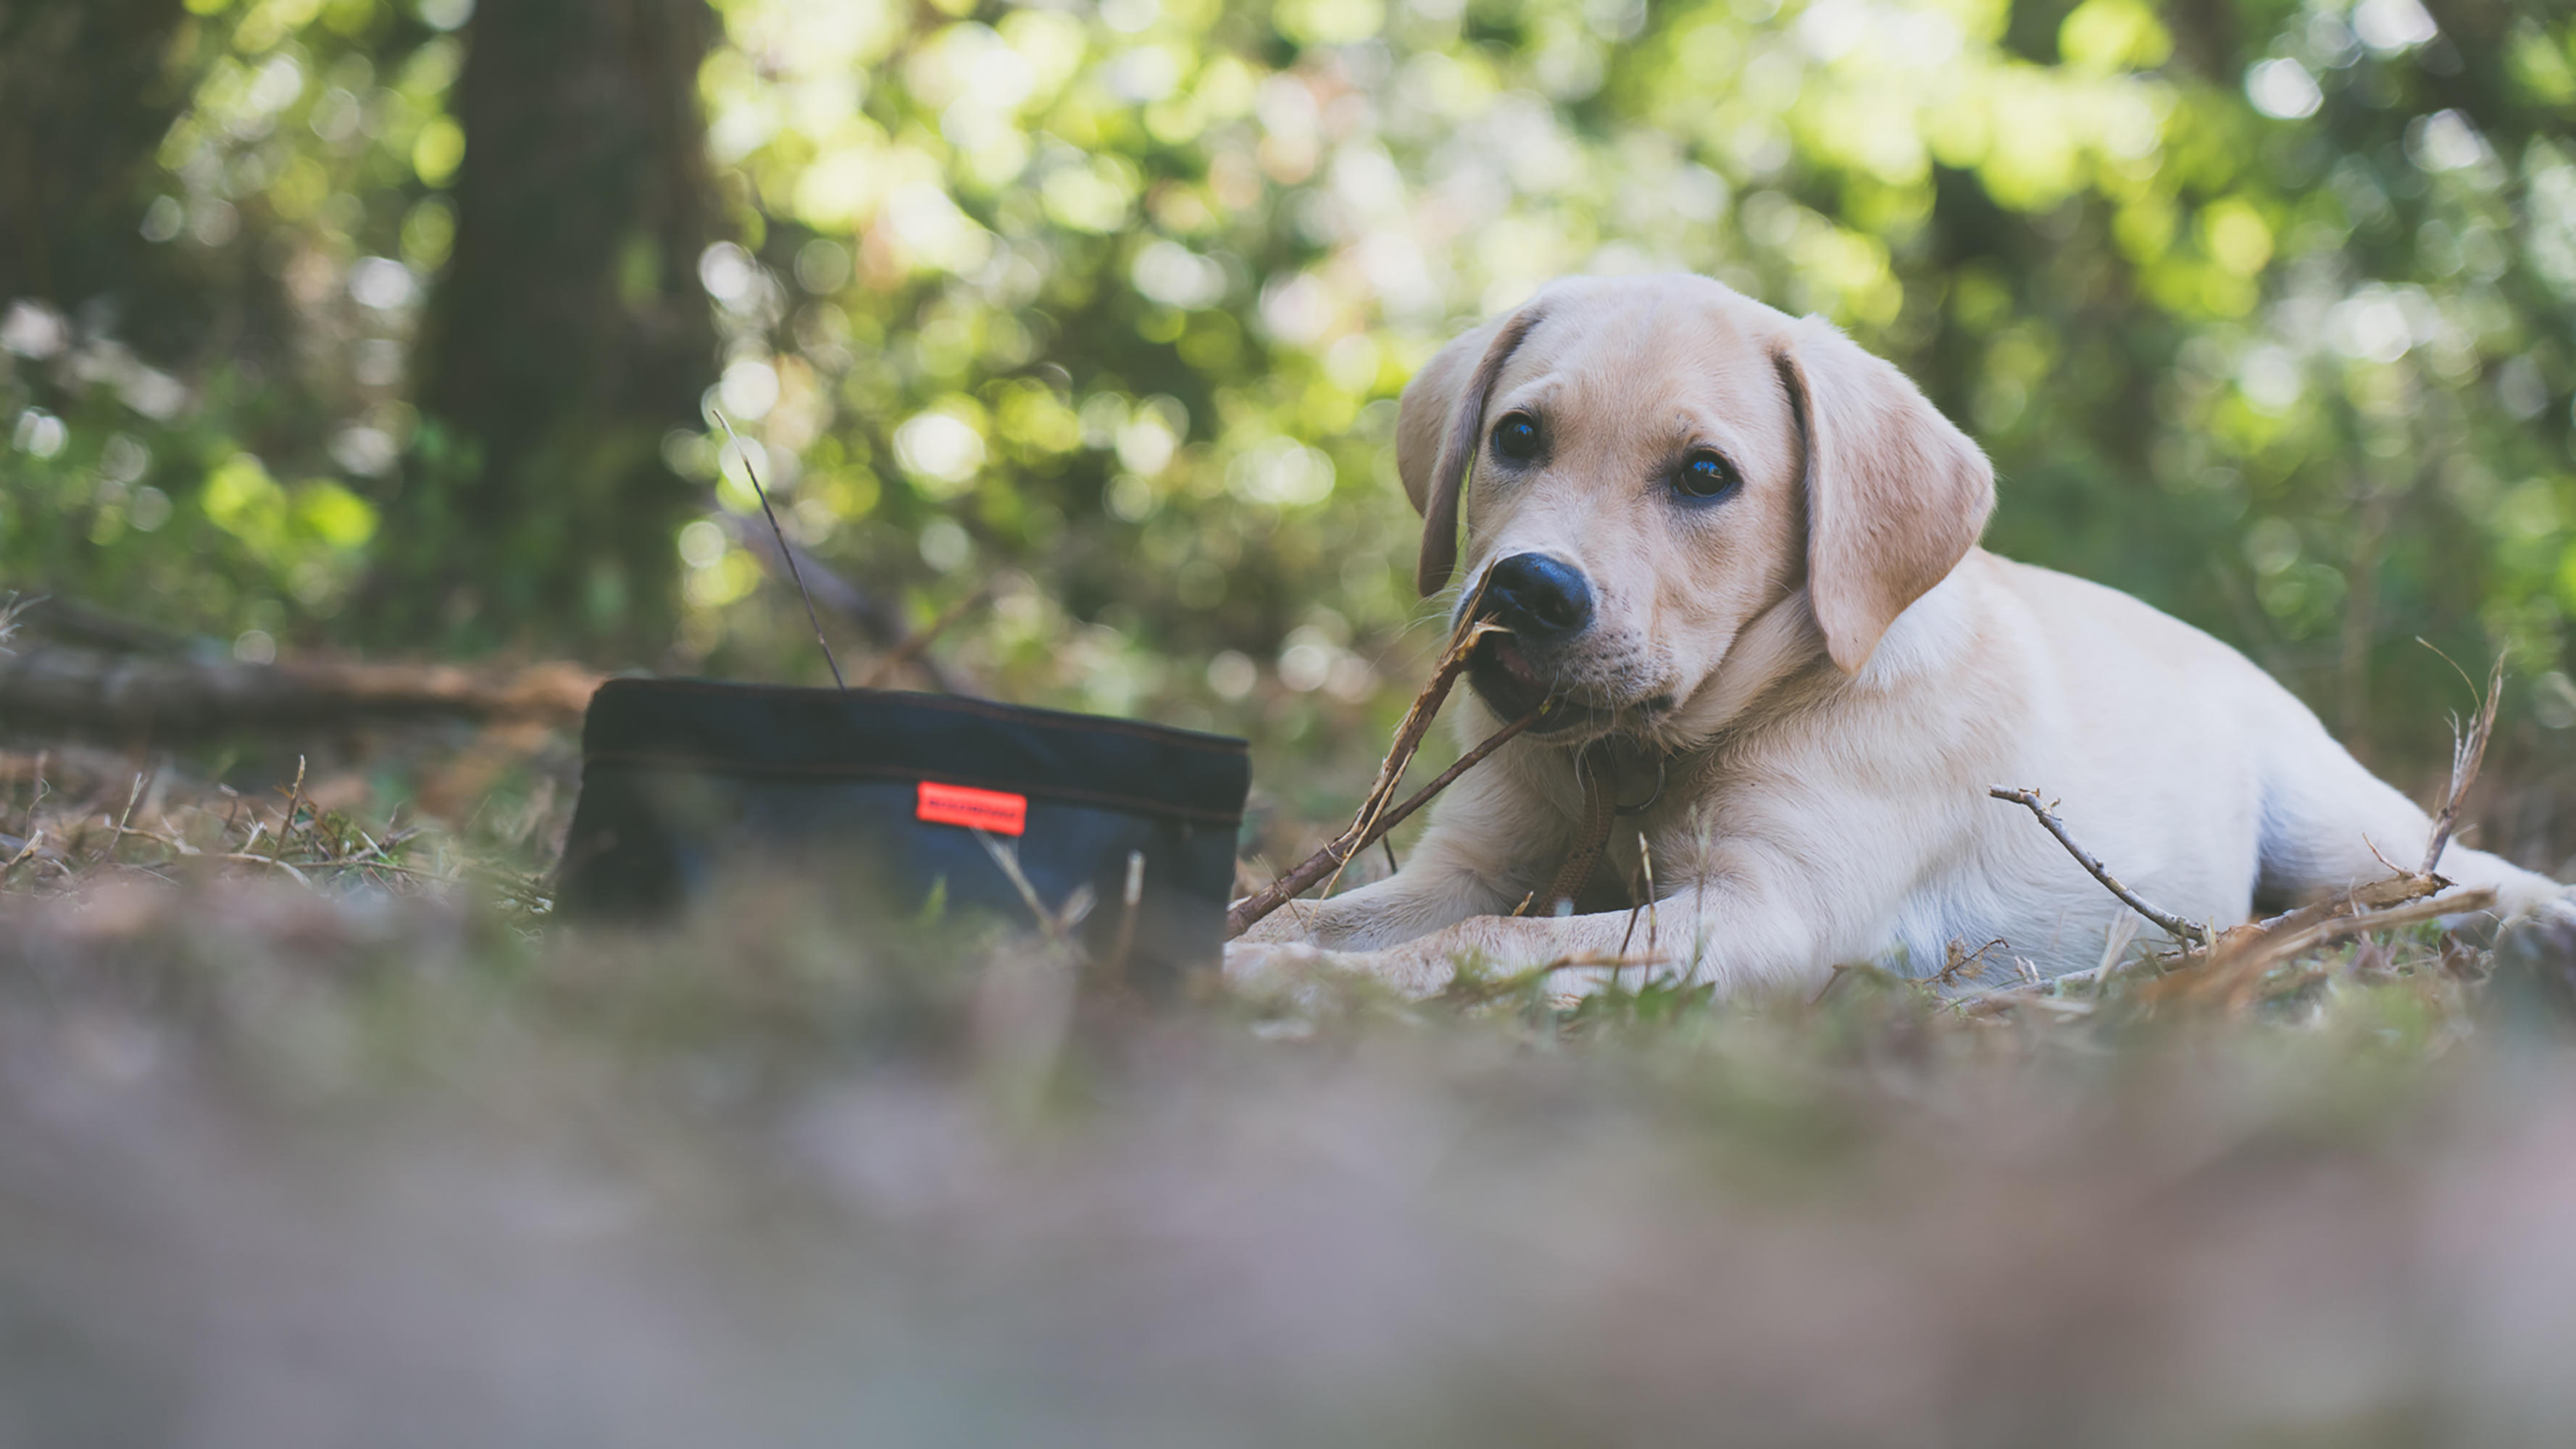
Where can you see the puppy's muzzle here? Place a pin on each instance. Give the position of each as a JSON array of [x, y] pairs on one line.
[[1545, 605], [1542, 601]]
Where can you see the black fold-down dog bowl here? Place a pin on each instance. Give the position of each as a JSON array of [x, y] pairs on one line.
[[687, 781]]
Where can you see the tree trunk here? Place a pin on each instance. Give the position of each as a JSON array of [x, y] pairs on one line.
[[568, 336], [85, 98]]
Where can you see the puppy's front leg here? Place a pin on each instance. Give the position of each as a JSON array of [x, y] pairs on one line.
[[1433, 890], [1345, 930], [1747, 924], [1696, 935], [1468, 864]]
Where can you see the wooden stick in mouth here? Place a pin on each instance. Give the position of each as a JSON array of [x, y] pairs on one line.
[[1361, 836], [1376, 815]]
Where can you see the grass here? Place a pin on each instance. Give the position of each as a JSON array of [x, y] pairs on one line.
[[369, 1151]]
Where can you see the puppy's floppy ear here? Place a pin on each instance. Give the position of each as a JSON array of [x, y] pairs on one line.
[[1896, 496], [1438, 425]]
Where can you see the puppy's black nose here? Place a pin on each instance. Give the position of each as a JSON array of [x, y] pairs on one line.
[[1539, 599]]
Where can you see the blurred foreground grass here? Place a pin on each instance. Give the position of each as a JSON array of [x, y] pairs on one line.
[[348, 1154]]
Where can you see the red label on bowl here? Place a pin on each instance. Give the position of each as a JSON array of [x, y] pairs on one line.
[[992, 810]]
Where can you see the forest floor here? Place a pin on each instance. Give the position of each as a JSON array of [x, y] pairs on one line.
[[326, 1135]]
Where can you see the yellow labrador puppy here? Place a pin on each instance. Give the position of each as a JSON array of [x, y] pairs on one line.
[[1743, 552]]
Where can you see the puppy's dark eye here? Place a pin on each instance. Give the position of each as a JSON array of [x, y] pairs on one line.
[[1706, 475], [1516, 437]]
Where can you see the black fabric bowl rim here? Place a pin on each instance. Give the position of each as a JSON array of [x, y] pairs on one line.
[[1206, 785]]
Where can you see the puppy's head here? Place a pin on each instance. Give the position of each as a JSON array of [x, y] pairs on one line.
[[1657, 461]]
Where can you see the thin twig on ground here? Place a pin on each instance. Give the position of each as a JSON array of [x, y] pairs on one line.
[[36, 789], [2397, 890], [2468, 752], [1129, 899], [35, 842], [116, 837], [1056, 925], [2258, 954], [1645, 902], [294, 800], [302, 846], [1962, 959], [811, 617], [2181, 928], [2232, 975]]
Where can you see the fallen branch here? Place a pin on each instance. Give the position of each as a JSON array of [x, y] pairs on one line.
[[2397, 890], [2233, 976], [2181, 928], [2244, 954], [80, 691], [2337, 928]]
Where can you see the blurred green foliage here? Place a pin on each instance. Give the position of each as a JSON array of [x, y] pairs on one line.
[[2262, 309], [225, 476]]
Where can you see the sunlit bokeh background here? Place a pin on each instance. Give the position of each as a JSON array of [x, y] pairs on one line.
[[1102, 309]]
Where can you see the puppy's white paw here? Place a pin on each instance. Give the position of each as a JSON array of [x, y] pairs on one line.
[[1294, 968], [1262, 967]]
